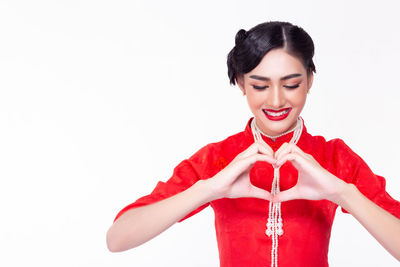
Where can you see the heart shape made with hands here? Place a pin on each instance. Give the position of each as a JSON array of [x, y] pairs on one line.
[[262, 175], [310, 179]]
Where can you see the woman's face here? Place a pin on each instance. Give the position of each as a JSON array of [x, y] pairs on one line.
[[279, 82]]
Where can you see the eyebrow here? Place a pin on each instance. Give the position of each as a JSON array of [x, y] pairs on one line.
[[263, 78]]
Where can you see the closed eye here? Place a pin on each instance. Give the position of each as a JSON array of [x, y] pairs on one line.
[[259, 87], [293, 86], [287, 86]]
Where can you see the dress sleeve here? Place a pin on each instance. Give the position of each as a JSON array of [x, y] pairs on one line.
[[185, 174], [371, 185]]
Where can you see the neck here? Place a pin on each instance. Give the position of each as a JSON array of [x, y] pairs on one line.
[[273, 137]]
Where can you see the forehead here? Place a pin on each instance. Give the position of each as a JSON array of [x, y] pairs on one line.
[[278, 63]]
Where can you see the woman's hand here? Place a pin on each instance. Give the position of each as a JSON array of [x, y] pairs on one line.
[[314, 182], [234, 182]]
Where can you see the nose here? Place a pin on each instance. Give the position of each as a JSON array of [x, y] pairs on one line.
[[276, 98]]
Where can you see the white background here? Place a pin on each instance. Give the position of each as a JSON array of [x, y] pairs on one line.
[[99, 100]]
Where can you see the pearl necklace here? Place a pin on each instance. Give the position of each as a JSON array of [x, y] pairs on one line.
[[274, 224], [273, 137]]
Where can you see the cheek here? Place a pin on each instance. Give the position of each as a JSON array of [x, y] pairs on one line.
[[298, 98], [254, 100]]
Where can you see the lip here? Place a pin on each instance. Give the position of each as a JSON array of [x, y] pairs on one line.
[[279, 110], [277, 118]]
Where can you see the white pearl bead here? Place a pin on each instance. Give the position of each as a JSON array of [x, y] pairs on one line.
[[275, 212], [268, 232]]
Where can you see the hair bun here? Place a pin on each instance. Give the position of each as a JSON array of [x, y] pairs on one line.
[[240, 36]]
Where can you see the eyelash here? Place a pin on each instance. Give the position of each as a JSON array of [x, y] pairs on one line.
[[287, 86]]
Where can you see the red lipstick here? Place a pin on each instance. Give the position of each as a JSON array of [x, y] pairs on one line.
[[279, 117], [278, 110]]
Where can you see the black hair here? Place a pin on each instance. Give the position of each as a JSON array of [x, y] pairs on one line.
[[251, 46]]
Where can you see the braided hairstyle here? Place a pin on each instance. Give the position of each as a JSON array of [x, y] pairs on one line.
[[251, 46]]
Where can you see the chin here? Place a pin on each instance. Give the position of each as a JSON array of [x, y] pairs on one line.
[[277, 127]]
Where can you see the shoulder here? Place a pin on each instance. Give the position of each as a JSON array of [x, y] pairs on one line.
[[340, 159], [341, 150], [216, 155], [224, 146], [331, 148], [334, 153]]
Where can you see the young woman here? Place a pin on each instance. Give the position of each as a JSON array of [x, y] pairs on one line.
[[274, 187]]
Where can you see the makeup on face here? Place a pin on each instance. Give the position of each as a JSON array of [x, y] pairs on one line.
[[284, 78], [276, 91], [273, 114], [277, 115], [267, 79]]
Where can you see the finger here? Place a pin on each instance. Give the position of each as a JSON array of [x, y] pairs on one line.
[[287, 148], [259, 193], [281, 149], [295, 158], [286, 195], [245, 163], [267, 147], [257, 147]]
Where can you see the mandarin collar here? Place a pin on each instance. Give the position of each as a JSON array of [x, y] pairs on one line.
[[279, 140]]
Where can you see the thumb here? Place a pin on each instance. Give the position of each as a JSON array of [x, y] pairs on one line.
[[259, 193], [286, 195]]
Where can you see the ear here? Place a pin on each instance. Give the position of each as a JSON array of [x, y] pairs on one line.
[[310, 80], [240, 83]]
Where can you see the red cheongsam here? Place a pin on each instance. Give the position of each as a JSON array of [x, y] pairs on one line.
[[241, 223]]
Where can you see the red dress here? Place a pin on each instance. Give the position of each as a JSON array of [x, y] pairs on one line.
[[241, 223]]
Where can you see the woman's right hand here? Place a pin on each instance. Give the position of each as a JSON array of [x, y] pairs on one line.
[[234, 181]]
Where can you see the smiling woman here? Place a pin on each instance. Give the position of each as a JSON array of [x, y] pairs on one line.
[[274, 187], [272, 64], [276, 91]]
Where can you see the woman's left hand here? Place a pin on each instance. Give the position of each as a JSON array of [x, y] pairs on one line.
[[314, 182]]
